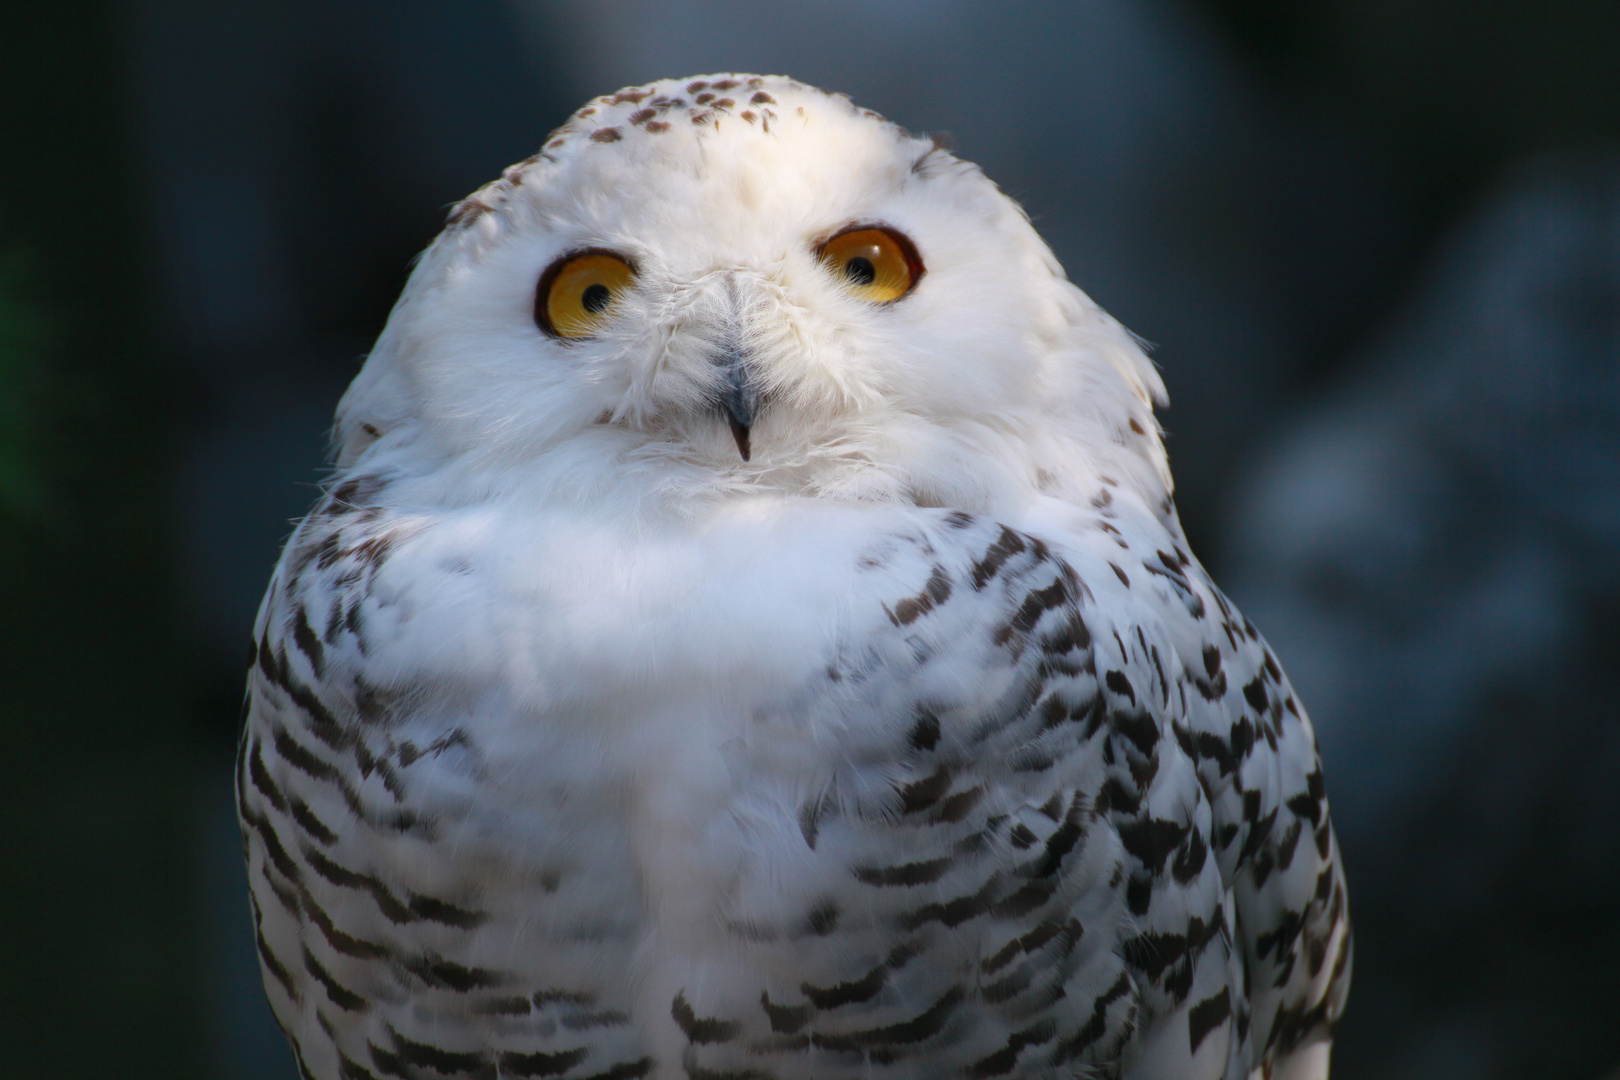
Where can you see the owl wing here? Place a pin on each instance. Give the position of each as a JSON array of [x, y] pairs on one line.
[[1053, 842], [1256, 757], [1135, 696], [402, 930]]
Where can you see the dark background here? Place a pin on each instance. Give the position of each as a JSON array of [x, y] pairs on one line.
[[1377, 243]]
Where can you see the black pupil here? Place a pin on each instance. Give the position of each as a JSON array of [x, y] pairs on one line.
[[860, 270], [596, 298]]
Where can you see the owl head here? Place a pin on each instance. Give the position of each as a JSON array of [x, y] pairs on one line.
[[736, 284]]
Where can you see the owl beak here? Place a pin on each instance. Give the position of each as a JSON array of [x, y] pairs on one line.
[[739, 400]]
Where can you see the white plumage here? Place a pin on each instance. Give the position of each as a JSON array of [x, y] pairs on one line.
[[775, 657]]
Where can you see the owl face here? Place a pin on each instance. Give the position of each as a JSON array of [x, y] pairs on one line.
[[742, 282]]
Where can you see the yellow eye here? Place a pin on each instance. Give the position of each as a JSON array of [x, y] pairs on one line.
[[875, 264], [578, 291]]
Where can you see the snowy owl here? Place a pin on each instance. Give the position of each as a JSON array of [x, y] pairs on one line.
[[748, 636]]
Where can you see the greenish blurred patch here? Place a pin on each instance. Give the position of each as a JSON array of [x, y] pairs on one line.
[[98, 958]]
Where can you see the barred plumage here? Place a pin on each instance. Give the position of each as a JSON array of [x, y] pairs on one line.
[[767, 767]]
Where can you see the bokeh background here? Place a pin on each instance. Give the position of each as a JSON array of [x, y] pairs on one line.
[[1377, 245]]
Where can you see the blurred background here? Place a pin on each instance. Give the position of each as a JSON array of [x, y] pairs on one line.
[[1377, 246]]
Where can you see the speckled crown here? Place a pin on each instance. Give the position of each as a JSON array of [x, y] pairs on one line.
[[655, 109]]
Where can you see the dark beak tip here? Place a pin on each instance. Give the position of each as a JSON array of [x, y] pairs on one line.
[[738, 398], [739, 432]]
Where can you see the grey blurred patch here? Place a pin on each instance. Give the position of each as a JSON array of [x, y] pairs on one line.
[[1431, 534], [1434, 551]]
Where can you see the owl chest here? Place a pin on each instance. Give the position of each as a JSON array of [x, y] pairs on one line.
[[691, 818]]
